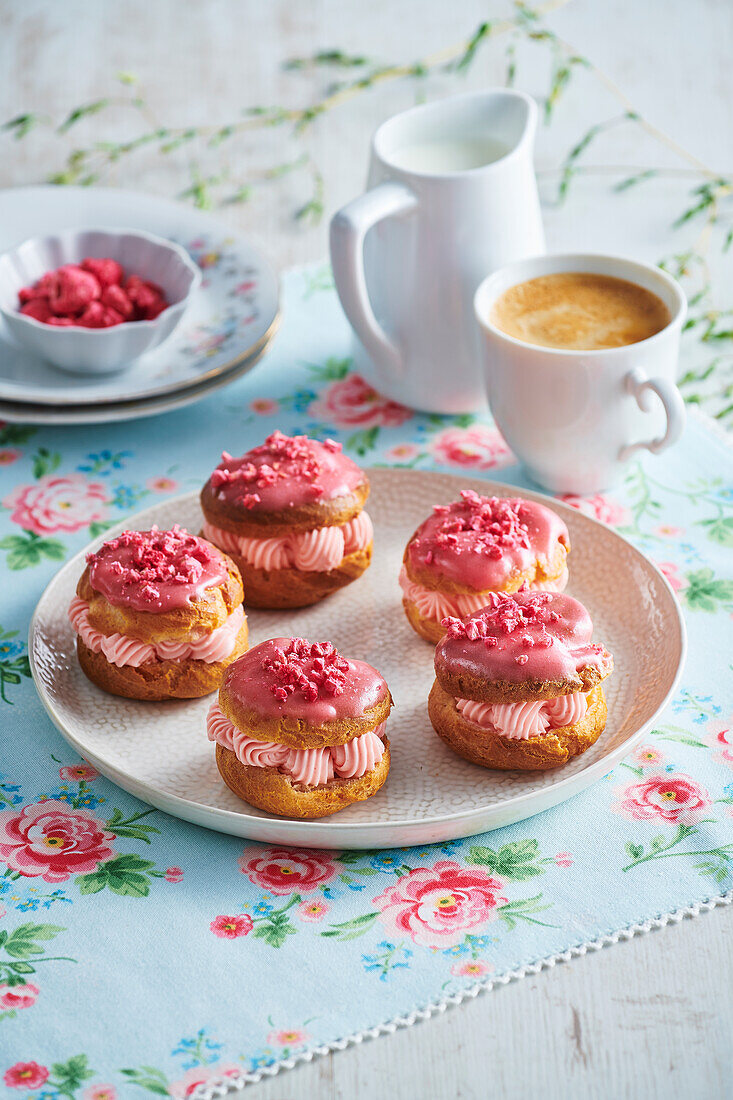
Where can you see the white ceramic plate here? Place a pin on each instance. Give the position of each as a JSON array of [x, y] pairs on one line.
[[159, 751], [17, 412], [230, 315]]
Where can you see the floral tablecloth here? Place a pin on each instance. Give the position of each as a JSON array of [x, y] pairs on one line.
[[140, 954]]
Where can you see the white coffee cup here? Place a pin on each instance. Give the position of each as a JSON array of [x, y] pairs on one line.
[[451, 195], [574, 418]]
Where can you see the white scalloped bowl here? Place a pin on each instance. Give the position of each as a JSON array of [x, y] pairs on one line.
[[97, 351]]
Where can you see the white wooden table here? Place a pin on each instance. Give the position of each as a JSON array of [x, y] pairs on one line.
[[642, 1018]]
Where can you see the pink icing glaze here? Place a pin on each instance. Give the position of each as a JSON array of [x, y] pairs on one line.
[[155, 570], [519, 721], [121, 649], [285, 472], [482, 542], [436, 605], [309, 680], [311, 551], [527, 636], [311, 767]]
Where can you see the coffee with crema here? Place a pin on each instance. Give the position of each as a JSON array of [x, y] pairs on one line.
[[579, 311]]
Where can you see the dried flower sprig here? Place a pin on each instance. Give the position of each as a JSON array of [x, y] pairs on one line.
[[709, 202]]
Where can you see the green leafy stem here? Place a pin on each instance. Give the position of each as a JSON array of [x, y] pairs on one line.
[[275, 927], [716, 863], [23, 943]]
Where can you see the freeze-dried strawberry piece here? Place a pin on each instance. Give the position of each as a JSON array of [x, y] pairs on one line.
[[38, 308], [106, 271], [97, 315], [61, 322], [74, 289], [112, 317], [43, 288], [116, 298], [148, 298], [93, 316]]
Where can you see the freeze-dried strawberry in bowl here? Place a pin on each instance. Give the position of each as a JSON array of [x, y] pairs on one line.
[[93, 301]]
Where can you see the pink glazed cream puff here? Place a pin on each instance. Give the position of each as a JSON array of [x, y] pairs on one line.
[[519, 683], [290, 513], [476, 546], [299, 729], [158, 615]]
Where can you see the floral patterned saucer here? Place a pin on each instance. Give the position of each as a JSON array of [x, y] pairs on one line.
[[159, 751], [229, 321]]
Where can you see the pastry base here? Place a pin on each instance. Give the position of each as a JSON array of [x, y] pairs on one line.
[[284, 588], [157, 681], [490, 750], [269, 789]]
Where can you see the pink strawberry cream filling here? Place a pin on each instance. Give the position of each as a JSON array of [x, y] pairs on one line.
[[519, 721], [436, 605], [484, 543], [285, 472], [310, 551], [121, 649], [309, 767], [155, 570]]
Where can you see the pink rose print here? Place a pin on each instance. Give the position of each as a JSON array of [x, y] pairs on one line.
[[25, 1075], [78, 772], [264, 406], [352, 401], [174, 874], [287, 870], [313, 910], [477, 448], [7, 457], [51, 840], [186, 1086], [670, 532], [57, 504], [402, 452], [670, 571], [564, 860], [294, 1038], [598, 507], [720, 737], [648, 756], [17, 996], [437, 906], [100, 1092], [474, 969], [228, 928], [162, 484], [670, 797]]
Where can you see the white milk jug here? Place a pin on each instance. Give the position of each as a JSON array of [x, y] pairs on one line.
[[451, 197]]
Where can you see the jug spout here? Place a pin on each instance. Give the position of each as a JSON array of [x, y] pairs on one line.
[[478, 130]]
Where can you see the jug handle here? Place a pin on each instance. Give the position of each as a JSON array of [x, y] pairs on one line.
[[349, 227]]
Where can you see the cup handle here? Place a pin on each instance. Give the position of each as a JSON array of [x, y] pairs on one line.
[[639, 386], [348, 230]]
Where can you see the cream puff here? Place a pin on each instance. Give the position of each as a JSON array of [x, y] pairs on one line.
[[299, 729], [475, 546], [291, 514], [158, 615], [519, 683]]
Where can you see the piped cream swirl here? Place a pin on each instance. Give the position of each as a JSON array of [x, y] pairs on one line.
[[314, 551], [518, 721], [122, 650], [436, 605], [309, 767]]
